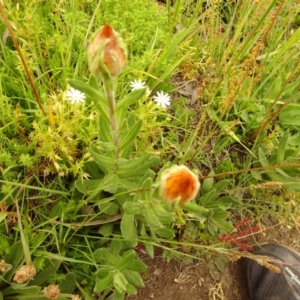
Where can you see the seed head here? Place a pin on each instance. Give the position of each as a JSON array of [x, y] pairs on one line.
[[24, 274], [52, 291]]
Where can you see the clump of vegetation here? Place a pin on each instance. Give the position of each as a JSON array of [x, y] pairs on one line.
[[88, 142]]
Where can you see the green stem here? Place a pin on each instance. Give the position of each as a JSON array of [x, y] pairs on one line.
[[110, 93], [24, 239], [38, 296], [16, 44]]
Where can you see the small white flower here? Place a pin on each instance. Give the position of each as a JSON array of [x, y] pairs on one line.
[[75, 96], [162, 99], [137, 84]]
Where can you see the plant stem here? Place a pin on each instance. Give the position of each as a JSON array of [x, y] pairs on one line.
[[110, 93], [24, 239], [16, 44]]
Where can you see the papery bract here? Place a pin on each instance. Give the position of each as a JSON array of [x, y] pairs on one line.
[[178, 184], [107, 54]]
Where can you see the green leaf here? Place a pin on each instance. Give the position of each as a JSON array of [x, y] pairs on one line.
[[44, 275], [213, 272], [130, 289], [104, 271], [120, 283], [134, 278], [108, 148], [88, 186], [93, 82], [219, 186], [206, 186], [164, 216], [105, 163], [14, 257], [288, 121], [212, 228], [262, 158], [96, 95], [229, 202], [146, 186], [130, 135], [281, 147], [116, 246], [149, 249], [106, 229], [109, 208], [152, 219], [166, 233], [130, 99], [122, 196], [126, 121], [220, 263], [104, 130], [88, 90], [104, 283], [110, 182], [68, 285], [195, 208], [215, 204], [218, 219], [200, 216], [2, 216], [103, 256], [126, 260], [22, 290], [115, 296], [132, 208], [93, 170], [137, 167], [137, 266], [295, 186], [208, 197], [127, 226], [256, 175]]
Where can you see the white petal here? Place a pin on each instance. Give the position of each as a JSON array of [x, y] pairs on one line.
[[162, 99], [75, 96], [137, 84]]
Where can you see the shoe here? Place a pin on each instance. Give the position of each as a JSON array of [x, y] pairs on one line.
[[265, 284]]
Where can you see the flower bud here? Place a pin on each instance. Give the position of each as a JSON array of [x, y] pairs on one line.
[[178, 183], [107, 53]]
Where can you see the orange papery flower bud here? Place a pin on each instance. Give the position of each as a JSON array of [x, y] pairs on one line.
[[107, 53], [178, 183]]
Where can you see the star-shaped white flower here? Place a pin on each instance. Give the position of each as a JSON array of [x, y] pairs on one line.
[[75, 96], [137, 84], [162, 99]]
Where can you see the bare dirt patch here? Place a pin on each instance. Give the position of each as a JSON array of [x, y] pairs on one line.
[[177, 281]]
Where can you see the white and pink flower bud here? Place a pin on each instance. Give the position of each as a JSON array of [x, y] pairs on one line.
[[107, 54]]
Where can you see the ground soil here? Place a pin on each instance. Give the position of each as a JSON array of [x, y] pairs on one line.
[[178, 281]]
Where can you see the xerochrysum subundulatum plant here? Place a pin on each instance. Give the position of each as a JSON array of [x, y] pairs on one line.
[[121, 186]]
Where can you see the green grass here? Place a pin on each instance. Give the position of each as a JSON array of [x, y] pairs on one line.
[[61, 171]]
